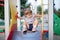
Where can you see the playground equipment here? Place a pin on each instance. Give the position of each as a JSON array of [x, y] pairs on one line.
[[56, 24], [1, 23], [2, 30], [1, 3], [10, 30], [14, 28], [29, 36]]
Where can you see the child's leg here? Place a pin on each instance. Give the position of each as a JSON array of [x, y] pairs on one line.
[[35, 24], [25, 26]]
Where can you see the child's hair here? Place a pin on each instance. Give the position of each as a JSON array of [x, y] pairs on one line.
[[27, 11]]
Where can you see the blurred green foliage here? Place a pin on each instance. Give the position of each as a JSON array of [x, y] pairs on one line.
[[1, 12], [23, 6], [57, 12], [39, 9]]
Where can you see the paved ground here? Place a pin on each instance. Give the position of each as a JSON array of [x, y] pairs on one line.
[[2, 36], [56, 37]]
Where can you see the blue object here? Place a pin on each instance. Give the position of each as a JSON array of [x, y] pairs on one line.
[[30, 27], [46, 34], [28, 36]]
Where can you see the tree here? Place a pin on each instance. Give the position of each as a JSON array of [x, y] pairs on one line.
[[1, 12], [46, 11], [23, 6], [39, 9], [23, 3], [58, 12]]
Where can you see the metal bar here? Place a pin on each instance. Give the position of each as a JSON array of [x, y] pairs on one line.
[[6, 6], [42, 15], [44, 4], [36, 7], [42, 28], [18, 10], [50, 11]]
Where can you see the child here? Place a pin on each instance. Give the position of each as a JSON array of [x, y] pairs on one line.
[[30, 22]]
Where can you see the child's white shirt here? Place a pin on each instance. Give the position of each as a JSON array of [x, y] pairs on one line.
[[29, 20]]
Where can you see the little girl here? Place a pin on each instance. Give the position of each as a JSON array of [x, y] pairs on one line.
[[30, 22]]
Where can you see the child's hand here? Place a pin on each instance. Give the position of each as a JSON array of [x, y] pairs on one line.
[[16, 15]]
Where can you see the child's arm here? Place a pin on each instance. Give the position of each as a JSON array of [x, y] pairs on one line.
[[18, 17], [37, 15]]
